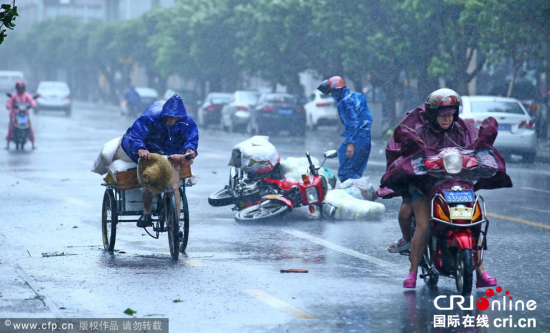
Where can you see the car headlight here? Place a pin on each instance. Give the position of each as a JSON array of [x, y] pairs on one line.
[[452, 163], [312, 194]]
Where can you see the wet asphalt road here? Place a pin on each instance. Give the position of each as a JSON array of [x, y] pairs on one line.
[[54, 265]]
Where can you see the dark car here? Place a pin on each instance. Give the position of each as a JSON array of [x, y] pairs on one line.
[[275, 112], [531, 98], [209, 113], [190, 99], [148, 96]]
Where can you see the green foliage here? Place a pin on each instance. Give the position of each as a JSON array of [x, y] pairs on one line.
[[7, 16]]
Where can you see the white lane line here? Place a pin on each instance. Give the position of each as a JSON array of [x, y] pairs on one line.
[[41, 294], [339, 248], [193, 262], [534, 189], [279, 305]]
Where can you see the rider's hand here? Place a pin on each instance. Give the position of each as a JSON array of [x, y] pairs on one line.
[[143, 153], [350, 150]]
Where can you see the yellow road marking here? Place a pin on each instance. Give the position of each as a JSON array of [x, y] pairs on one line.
[[279, 305], [193, 262], [513, 219]]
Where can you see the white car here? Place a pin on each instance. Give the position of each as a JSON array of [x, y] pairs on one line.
[[236, 114], [321, 111], [53, 95], [516, 129]]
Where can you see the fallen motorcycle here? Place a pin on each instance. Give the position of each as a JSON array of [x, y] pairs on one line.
[[289, 194]]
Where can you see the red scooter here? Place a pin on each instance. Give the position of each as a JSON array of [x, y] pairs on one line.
[[458, 220], [311, 191]]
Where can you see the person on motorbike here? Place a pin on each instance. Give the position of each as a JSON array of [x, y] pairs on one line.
[[413, 119], [163, 129], [20, 96], [443, 129], [133, 100], [354, 113]]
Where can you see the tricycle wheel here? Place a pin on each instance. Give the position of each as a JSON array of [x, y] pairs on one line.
[[464, 271], [109, 220], [184, 218], [173, 224], [263, 211]]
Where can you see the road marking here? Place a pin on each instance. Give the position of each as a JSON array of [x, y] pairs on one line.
[[193, 262], [39, 293], [339, 248], [279, 305], [513, 219], [534, 189]]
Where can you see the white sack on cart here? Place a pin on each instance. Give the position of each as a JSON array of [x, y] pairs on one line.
[[350, 208], [106, 156], [255, 155]]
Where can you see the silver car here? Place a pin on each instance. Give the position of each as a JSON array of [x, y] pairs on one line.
[[53, 95], [516, 129], [236, 114]]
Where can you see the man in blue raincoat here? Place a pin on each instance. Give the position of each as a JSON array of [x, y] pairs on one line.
[[356, 117], [164, 129]]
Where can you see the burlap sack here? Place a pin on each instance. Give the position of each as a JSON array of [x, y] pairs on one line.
[[155, 173]]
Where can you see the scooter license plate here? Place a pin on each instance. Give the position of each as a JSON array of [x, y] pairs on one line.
[[461, 213], [459, 196]]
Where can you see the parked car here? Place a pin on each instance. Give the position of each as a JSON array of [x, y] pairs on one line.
[[236, 113], [8, 80], [275, 112], [209, 113], [516, 128], [148, 96], [531, 98], [190, 99], [53, 95], [321, 110]]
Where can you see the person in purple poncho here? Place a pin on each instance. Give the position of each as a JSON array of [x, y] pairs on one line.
[[442, 129]]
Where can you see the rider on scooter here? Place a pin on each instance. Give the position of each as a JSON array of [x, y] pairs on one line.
[[20, 96], [443, 129]]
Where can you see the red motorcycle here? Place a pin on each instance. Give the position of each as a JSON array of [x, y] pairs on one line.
[[291, 193], [458, 221]]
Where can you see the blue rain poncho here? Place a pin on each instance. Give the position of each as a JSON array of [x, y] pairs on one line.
[[356, 117], [151, 132]]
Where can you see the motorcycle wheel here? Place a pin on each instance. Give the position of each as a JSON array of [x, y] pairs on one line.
[[464, 274], [220, 198], [264, 211]]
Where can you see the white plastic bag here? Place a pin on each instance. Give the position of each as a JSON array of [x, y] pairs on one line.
[[255, 155], [350, 208], [359, 188]]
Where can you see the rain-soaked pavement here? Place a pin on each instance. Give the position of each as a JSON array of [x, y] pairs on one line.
[[53, 263]]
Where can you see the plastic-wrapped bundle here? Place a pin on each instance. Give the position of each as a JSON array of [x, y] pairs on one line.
[[295, 167], [255, 155], [106, 156], [350, 208], [359, 188]]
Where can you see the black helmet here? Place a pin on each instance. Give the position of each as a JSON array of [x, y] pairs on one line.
[[20, 87]]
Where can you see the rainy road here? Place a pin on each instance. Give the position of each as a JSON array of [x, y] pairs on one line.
[[54, 265]]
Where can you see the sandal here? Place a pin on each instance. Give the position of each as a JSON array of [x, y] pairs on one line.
[[410, 281], [399, 245], [485, 280]]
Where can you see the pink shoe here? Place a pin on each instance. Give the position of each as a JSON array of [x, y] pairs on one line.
[[410, 281], [486, 280]]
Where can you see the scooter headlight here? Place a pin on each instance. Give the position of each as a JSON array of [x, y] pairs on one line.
[[452, 163], [312, 195]]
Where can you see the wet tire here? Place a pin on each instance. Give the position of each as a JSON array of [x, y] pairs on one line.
[[265, 211], [109, 220], [184, 221], [173, 224], [220, 198], [464, 271]]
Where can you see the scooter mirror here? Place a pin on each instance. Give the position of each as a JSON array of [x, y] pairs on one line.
[[331, 154]]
